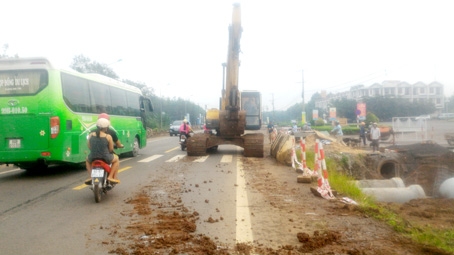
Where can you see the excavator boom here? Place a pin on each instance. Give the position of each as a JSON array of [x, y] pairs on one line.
[[229, 121]]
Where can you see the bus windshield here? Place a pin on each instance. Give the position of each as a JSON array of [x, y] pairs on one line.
[[22, 82]]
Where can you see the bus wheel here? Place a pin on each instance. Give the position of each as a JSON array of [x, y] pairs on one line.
[[135, 148], [34, 167]]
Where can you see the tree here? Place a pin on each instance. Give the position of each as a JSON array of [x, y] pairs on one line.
[[345, 108], [5, 52], [385, 108], [85, 65]]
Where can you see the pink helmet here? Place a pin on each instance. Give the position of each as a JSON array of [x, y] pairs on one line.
[[103, 116]]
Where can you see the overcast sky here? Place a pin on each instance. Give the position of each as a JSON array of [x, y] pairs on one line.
[[178, 47]]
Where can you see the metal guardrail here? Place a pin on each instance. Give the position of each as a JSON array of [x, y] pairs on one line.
[[410, 128]]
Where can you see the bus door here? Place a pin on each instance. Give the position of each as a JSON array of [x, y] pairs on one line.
[[146, 108]]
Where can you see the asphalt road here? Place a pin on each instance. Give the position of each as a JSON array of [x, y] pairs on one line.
[[53, 212]]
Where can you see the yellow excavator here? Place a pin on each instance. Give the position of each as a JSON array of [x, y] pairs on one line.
[[238, 111]]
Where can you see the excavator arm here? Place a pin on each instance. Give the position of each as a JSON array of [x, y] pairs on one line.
[[231, 97], [229, 120]]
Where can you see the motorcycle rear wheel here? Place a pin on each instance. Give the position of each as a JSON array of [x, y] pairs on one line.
[[97, 190]]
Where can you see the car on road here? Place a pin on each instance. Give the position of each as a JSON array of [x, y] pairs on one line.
[[175, 127], [446, 116], [423, 117]]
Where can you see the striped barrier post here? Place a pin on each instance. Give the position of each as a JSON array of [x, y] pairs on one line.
[[317, 167], [323, 185], [303, 152], [295, 158], [306, 169]]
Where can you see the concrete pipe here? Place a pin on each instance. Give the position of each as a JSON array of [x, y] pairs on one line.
[[447, 188], [395, 182], [396, 195], [389, 167]]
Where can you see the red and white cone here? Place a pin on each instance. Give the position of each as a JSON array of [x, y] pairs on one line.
[[323, 185], [306, 169]]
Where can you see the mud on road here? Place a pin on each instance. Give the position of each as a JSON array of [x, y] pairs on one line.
[[287, 219]]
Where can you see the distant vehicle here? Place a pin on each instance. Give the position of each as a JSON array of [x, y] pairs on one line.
[[445, 116], [423, 117], [175, 127]]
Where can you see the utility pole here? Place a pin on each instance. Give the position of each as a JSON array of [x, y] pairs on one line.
[[302, 93], [303, 115]]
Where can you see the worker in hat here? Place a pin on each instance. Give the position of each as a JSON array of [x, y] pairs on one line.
[[375, 136], [101, 146], [362, 133], [337, 132]]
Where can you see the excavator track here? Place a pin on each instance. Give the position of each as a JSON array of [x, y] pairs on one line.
[[197, 145], [253, 145]]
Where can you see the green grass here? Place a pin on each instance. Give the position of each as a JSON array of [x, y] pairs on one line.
[[442, 239]]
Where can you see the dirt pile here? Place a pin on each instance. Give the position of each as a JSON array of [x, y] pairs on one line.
[[288, 218]]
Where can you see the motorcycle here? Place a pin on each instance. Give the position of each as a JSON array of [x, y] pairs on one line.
[[99, 183], [183, 141]]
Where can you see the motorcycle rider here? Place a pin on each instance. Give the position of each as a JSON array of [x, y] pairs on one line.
[[110, 131], [101, 146], [185, 128]]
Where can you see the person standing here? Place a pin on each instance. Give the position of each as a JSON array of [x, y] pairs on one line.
[[337, 132], [362, 133], [294, 129], [375, 136], [270, 127], [271, 131]]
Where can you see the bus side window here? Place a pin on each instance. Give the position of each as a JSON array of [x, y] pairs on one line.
[[118, 101], [75, 93]]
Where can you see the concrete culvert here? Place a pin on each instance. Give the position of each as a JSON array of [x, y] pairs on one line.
[[388, 169], [395, 182], [447, 188], [396, 195]]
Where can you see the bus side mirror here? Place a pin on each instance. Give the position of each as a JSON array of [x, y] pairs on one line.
[[146, 105]]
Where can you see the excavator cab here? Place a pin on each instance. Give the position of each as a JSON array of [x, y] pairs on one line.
[[251, 102]]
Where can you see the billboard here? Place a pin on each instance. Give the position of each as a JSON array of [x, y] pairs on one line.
[[314, 114], [332, 113], [360, 111]]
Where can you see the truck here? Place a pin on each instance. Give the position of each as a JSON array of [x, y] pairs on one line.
[[450, 138], [238, 110]]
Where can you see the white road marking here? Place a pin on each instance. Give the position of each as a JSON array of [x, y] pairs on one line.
[[10, 171], [226, 158], [201, 159], [243, 214], [146, 160], [176, 158]]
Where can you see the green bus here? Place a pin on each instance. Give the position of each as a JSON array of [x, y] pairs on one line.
[[46, 113]]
